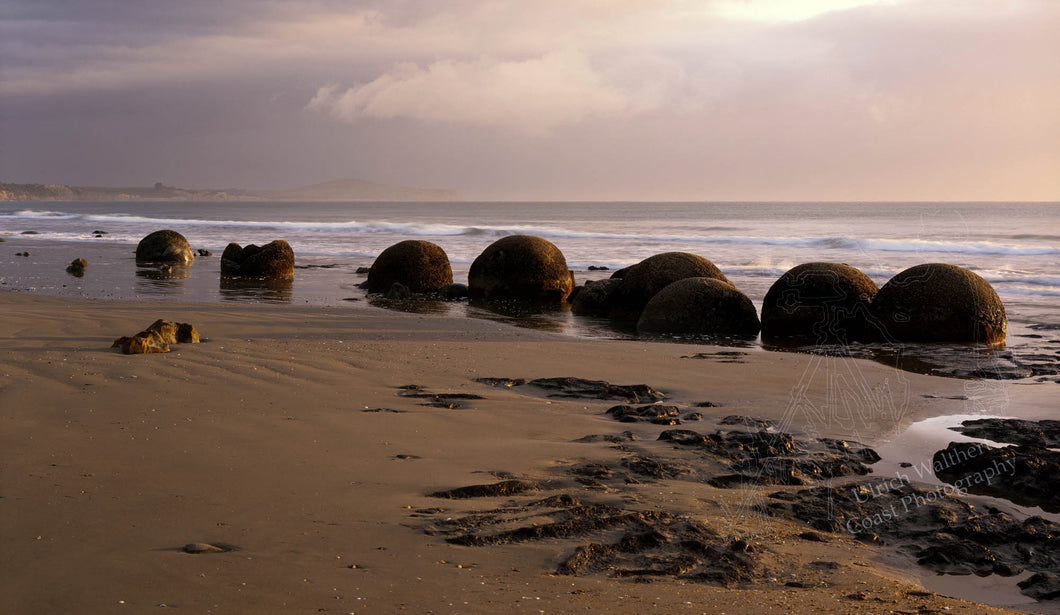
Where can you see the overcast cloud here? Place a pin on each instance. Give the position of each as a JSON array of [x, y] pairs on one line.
[[598, 99]]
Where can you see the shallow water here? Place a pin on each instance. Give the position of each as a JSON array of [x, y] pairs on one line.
[[1016, 247]]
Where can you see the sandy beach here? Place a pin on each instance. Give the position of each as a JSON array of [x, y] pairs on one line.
[[291, 440]]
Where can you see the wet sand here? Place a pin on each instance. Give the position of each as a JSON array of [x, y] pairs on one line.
[[287, 440]]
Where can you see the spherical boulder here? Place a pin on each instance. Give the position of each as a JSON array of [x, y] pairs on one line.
[[640, 282], [820, 302], [936, 302], [164, 247], [274, 260], [700, 306], [420, 265], [520, 268]]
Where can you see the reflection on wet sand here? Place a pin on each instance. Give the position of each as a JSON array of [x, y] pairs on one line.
[[552, 318], [949, 360], [414, 305], [164, 280], [271, 290]]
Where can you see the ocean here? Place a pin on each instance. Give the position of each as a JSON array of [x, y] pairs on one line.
[[1014, 246]]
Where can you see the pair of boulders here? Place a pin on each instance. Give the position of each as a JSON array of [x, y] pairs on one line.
[[674, 293], [274, 260], [517, 268], [836, 303], [157, 338]]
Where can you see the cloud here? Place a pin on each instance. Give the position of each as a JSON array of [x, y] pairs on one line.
[[887, 98], [531, 96]]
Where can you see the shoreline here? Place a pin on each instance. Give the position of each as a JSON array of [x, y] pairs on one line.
[[286, 435], [329, 281]]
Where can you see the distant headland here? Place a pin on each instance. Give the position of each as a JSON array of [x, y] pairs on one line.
[[341, 190]]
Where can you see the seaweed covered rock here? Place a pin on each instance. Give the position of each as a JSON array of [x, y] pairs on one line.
[[164, 246], [818, 302], [422, 266], [273, 260], [640, 282], [936, 302], [699, 306], [520, 268]]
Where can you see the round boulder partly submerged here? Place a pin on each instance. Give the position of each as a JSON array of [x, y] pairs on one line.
[[274, 260], [819, 302], [164, 246], [520, 268], [701, 307], [640, 282], [936, 302], [421, 266]]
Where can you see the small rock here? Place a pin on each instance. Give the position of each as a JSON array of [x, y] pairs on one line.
[[204, 252], [453, 292], [77, 267], [201, 547], [398, 292]]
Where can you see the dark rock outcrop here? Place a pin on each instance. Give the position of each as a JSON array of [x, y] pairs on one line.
[[702, 307], [640, 282], [520, 268], [420, 265], [1042, 586], [943, 531], [818, 302], [1026, 475], [492, 490], [580, 388], [936, 302], [652, 413], [624, 543], [164, 246], [1044, 433], [769, 458], [274, 260]]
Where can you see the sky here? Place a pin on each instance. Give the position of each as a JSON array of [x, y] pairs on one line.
[[738, 100]]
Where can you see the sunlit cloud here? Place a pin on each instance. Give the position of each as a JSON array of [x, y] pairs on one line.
[[787, 10], [530, 96], [750, 94]]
